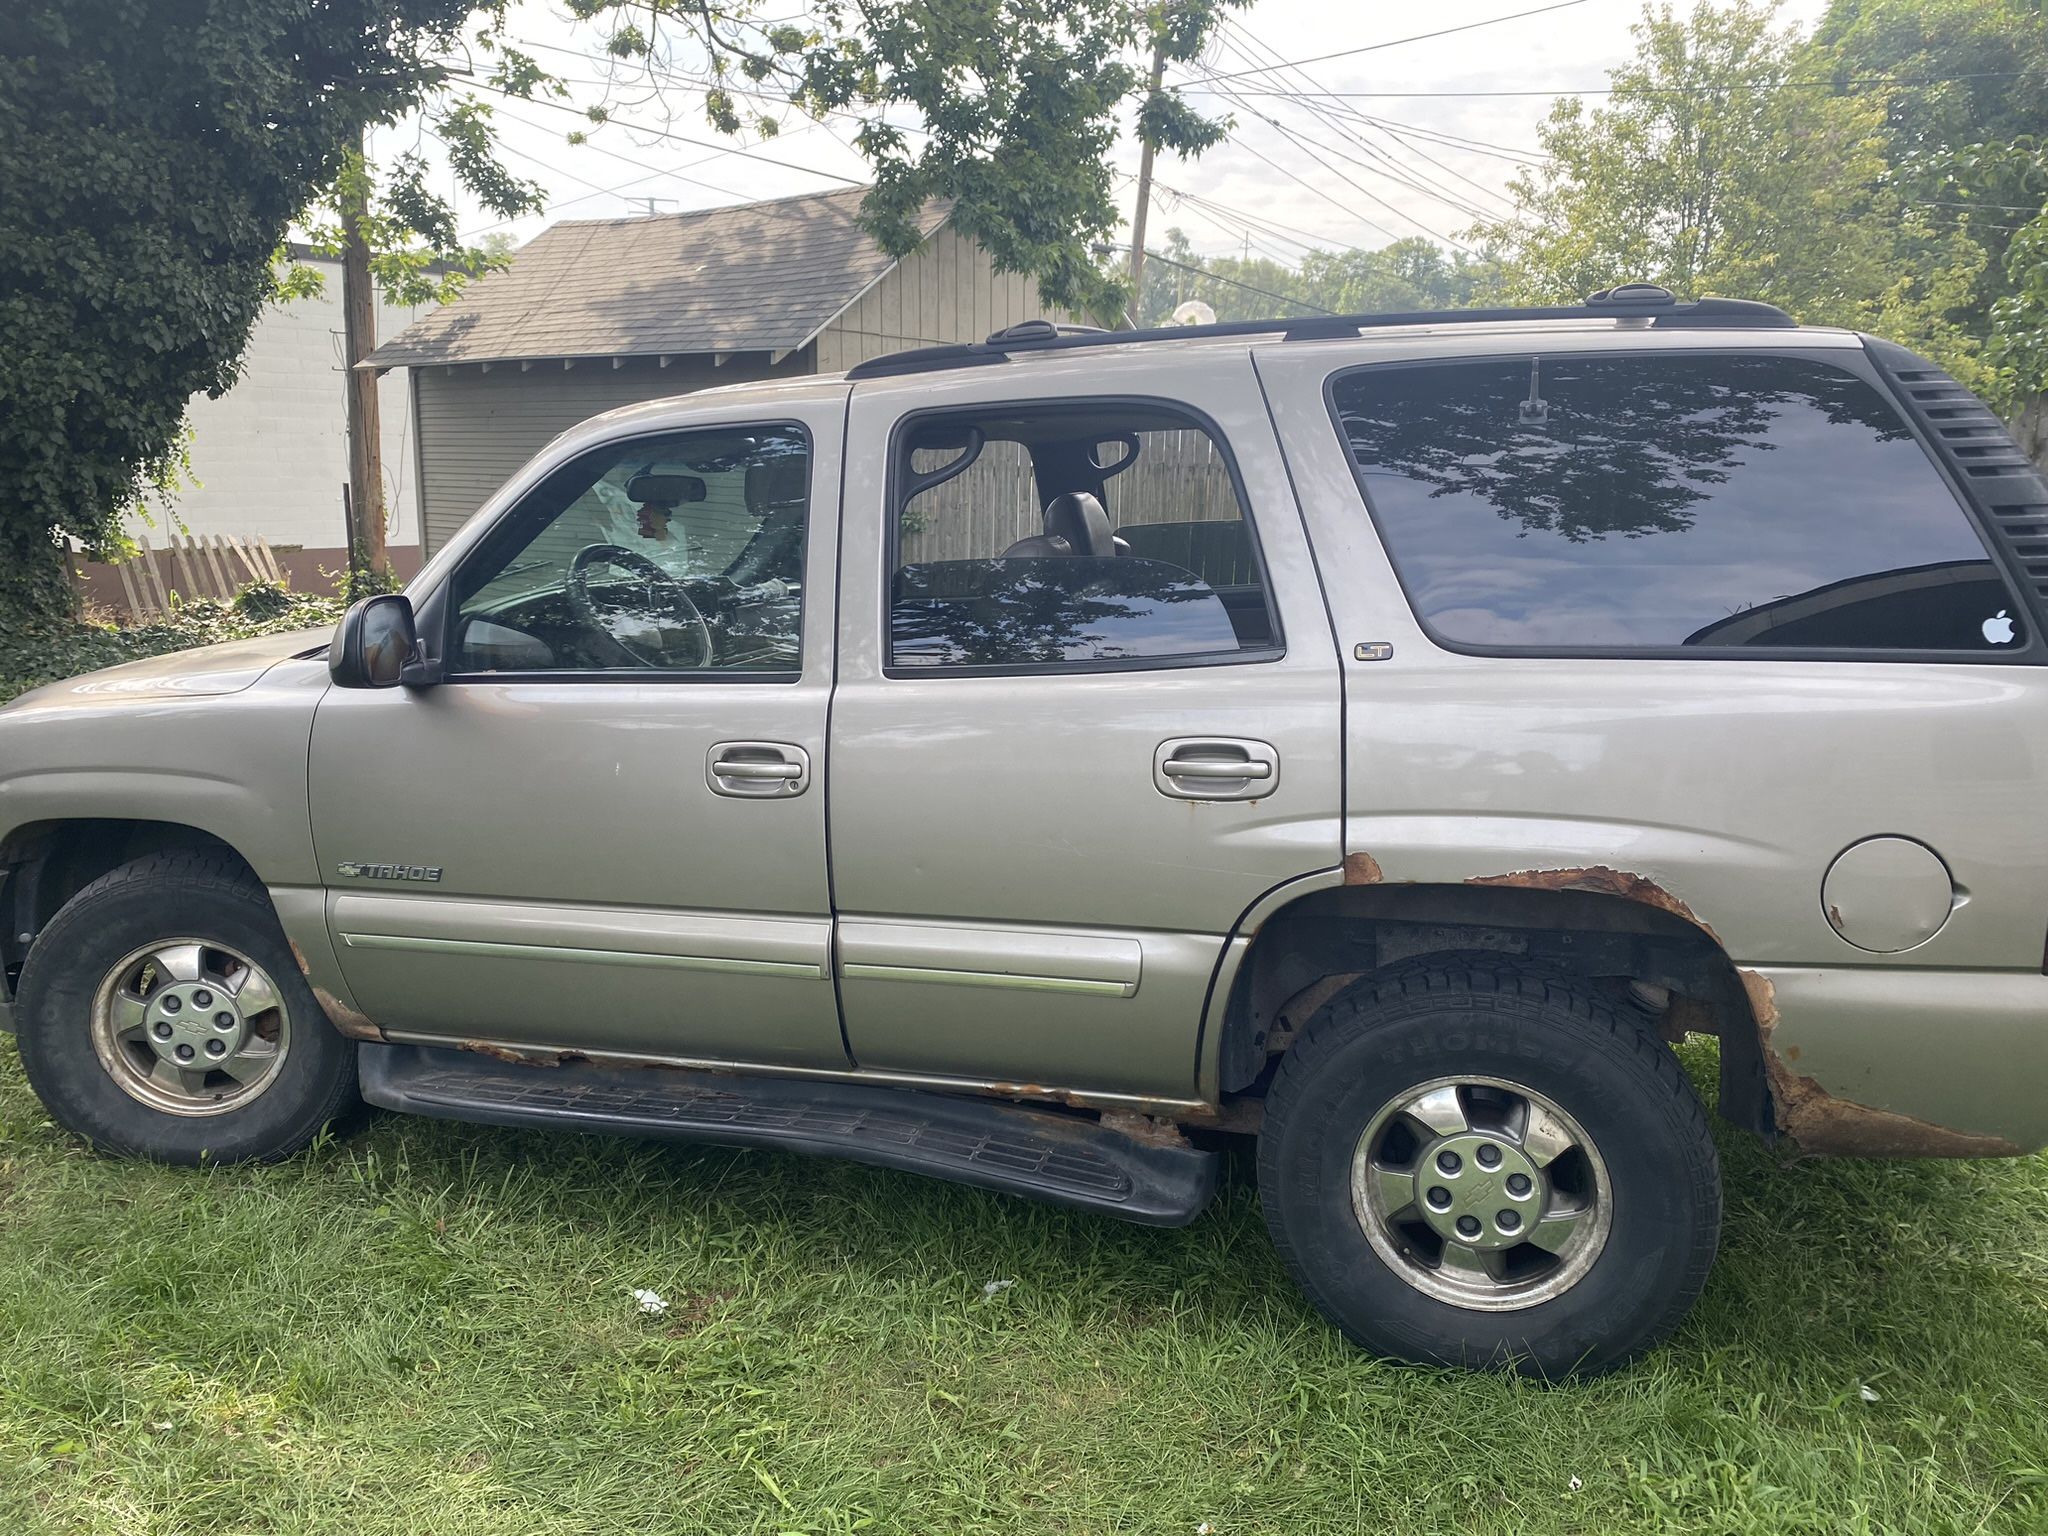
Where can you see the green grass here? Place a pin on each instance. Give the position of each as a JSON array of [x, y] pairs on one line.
[[428, 1328]]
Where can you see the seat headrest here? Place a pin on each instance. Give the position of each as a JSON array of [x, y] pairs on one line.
[[1078, 518], [778, 482]]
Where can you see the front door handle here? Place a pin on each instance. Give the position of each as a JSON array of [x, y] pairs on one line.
[[757, 770], [1215, 768]]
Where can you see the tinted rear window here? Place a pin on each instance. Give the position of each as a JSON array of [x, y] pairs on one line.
[[1653, 502]]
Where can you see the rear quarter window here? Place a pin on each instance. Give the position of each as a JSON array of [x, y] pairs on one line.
[[1667, 502]]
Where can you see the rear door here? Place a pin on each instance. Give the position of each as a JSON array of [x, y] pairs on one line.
[[1087, 713], [606, 829]]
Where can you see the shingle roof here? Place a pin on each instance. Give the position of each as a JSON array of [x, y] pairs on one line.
[[757, 277]]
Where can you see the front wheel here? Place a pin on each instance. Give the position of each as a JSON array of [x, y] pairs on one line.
[[161, 1015], [1473, 1162]]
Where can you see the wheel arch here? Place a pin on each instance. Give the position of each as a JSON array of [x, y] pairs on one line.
[[43, 864], [1322, 933]]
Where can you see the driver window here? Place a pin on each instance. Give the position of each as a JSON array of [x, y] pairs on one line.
[[681, 553]]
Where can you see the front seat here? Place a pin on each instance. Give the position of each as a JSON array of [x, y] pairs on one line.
[[776, 492], [1075, 524]]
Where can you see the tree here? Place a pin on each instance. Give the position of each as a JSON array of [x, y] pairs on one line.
[[1961, 82], [2018, 350], [153, 154], [1965, 87], [1017, 101], [1410, 274], [1723, 163]]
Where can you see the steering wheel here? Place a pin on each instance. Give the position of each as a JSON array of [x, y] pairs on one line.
[[664, 596]]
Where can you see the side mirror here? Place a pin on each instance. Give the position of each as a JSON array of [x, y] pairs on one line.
[[377, 645]]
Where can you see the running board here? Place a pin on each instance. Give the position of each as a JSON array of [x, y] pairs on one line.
[[1041, 1154]]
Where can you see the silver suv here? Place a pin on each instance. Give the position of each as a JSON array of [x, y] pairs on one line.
[[1037, 763]]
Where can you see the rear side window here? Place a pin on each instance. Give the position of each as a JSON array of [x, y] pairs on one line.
[[1070, 537], [1667, 502]]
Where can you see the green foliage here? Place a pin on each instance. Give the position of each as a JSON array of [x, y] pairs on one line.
[[1961, 82], [2018, 352], [31, 655], [416, 255], [1018, 99], [152, 155], [362, 579], [1721, 163], [1877, 176], [1407, 275], [262, 601]]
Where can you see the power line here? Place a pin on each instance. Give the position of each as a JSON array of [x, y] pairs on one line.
[[1252, 237], [598, 190], [1349, 212], [1345, 53], [1448, 170], [1301, 141], [675, 172], [1450, 140], [1610, 90], [1935, 202], [1272, 230], [653, 173], [679, 138], [669, 73], [1380, 163], [1310, 149], [1218, 277], [1244, 44], [1250, 47]]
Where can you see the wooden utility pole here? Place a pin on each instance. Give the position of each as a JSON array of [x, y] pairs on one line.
[[359, 340], [1144, 189]]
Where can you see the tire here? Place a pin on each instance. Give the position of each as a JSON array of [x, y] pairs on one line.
[[205, 913], [1391, 1276]]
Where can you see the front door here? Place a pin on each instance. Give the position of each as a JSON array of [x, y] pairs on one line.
[[1072, 740], [605, 830]]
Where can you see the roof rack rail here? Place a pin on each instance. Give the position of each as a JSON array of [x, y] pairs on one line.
[[1645, 302]]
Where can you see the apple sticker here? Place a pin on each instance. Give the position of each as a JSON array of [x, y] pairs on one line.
[[1998, 629]]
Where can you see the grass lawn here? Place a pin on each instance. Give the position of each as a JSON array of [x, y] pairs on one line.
[[429, 1328]]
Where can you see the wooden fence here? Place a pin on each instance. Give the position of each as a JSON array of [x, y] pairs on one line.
[[1180, 477], [210, 565]]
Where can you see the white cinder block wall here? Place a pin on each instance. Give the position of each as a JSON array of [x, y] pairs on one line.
[[271, 455]]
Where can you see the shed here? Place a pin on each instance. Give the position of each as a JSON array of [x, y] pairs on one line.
[[597, 313]]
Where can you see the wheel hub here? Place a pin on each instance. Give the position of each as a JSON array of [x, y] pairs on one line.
[[1481, 1192], [1479, 1189], [190, 1023], [190, 1027]]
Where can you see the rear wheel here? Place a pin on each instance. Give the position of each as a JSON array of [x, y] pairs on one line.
[[161, 1015], [1473, 1162]]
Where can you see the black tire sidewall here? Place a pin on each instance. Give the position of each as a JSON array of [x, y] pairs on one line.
[[125, 911], [1375, 1042]]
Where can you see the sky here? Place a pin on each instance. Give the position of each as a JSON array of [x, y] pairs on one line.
[[1288, 180]]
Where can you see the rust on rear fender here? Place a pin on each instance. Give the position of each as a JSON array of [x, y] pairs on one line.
[[1601, 880], [1830, 1127], [1362, 869], [1801, 1108]]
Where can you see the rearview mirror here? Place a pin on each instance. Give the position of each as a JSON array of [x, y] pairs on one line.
[[375, 644]]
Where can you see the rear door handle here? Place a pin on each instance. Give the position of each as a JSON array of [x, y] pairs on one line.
[[1204, 768], [757, 770], [1215, 768]]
